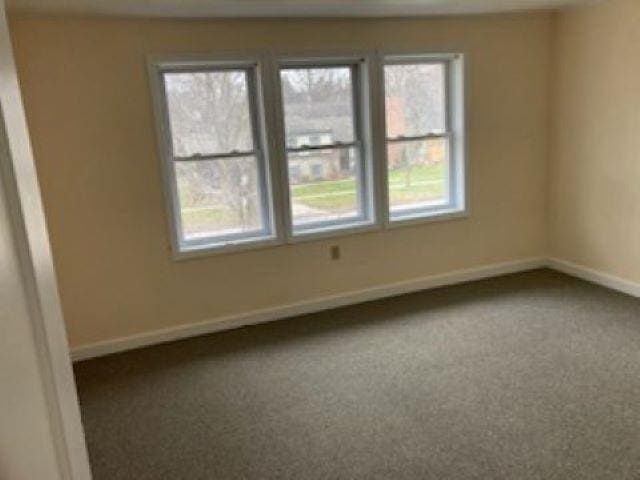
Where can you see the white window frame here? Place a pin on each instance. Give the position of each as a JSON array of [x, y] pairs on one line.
[[267, 116], [458, 183], [184, 248], [361, 66]]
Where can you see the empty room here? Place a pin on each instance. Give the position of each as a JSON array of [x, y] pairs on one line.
[[308, 239]]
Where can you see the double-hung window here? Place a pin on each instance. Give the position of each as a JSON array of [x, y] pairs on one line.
[[327, 164], [216, 167], [338, 153], [424, 136]]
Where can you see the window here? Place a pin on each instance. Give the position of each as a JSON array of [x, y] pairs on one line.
[[216, 166], [234, 181], [322, 109], [423, 136]]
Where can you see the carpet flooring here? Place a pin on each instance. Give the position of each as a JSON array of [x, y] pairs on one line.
[[527, 376]]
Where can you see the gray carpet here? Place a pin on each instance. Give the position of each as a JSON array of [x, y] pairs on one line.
[[528, 376]]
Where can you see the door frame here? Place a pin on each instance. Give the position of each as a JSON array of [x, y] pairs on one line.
[[19, 181]]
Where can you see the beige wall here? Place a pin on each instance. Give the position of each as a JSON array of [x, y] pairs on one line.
[[595, 165], [89, 110]]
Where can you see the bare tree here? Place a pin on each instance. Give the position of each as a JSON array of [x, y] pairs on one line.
[[210, 114]]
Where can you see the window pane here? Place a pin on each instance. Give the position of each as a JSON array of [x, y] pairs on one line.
[[415, 99], [418, 174], [219, 197], [208, 112], [318, 105], [324, 185]]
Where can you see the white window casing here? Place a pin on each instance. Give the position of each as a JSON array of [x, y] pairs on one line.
[[363, 155]]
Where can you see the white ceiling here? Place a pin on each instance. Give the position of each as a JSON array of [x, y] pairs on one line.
[[282, 8]]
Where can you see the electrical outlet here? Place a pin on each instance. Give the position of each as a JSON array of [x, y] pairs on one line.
[[335, 252]]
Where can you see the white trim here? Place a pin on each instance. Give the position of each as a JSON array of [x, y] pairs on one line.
[[181, 248], [19, 180], [268, 107], [595, 276], [254, 317], [456, 97], [359, 64]]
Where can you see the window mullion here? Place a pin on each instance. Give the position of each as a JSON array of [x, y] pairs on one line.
[[359, 134], [378, 137], [272, 100], [257, 127]]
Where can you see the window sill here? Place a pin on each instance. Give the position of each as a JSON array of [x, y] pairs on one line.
[[333, 231], [214, 249], [427, 217], [221, 248]]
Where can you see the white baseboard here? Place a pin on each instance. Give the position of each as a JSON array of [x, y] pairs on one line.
[[340, 300], [293, 309], [595, 276]]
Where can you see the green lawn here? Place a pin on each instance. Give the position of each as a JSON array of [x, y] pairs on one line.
[[425, 183]]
